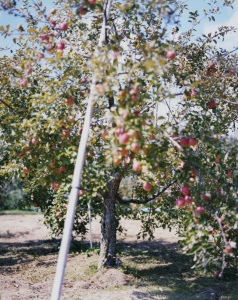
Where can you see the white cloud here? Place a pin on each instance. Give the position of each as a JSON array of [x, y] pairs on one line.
[[231, 39]]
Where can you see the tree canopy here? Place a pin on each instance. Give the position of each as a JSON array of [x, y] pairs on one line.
[[181, 163]]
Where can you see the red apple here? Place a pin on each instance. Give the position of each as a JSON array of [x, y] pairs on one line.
[[61, 46], [147, 186], [184, 142], [171, 54], [104, 135], [34, 140], [127, 159], [45, 38], [180, 202], [81, 192], [217, 160], [58, 214], [216, 273], [185, 190], [193, 171], [192, 142], [49, 47], [207, 197], [23, 82], [52, 164], [61, 170], [124, 152], [199, 210], [228, 249], [53, 23], [29, 70], [188, 199], [135, 147], [229, 174], [65, 132], [84, 80], [124, 138], [211, 104], [55, 185], [81, 10], [136, 166], [92, 2], [69, 101], [63, 26], [25, 170]]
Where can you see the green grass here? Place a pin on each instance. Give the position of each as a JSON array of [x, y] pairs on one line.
[[19, 212]]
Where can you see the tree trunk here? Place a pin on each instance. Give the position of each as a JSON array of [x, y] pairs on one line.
[[107, 256]]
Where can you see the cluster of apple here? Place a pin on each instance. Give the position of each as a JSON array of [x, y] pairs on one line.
[[188, 141], [186, 200]]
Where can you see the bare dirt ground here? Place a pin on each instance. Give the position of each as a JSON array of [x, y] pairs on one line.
[[151, 270]]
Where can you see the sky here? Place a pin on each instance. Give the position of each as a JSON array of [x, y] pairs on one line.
[[225, 16]]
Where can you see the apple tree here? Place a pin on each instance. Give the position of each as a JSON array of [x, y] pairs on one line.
[[132, 59]]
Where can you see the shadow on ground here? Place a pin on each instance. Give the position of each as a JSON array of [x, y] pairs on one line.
[[159, 268]]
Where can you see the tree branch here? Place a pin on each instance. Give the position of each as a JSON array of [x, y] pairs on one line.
[[146, 200]]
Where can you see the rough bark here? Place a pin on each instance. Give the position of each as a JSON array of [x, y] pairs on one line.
[[107, 256]]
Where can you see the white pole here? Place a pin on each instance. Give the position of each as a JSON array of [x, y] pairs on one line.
[[73, 199], [90, 225]]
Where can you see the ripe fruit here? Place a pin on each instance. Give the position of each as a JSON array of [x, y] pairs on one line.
[[81, 10], [81, 192], [188, 199], [211, 104], [61, 170], [192, 142], [216, 273], [124, 138], [104, 135], [180, 202], [25, 170], [61, 46], [65, 132], [45, 38], [135, 147], [53, 23], [63, 26], [34, 140], [193, 171], [171, 54], [185, 190], [228, 249], [23, 82], [229, 174], [58, 214], [29, 70], [52, 164], [136, 166], [92, 1], [147, 186], [199, 210], [184, 142], [217, 160], [207, 197], [69, 101], [55, 186]]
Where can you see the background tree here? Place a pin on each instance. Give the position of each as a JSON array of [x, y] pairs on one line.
[[183, 161]]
